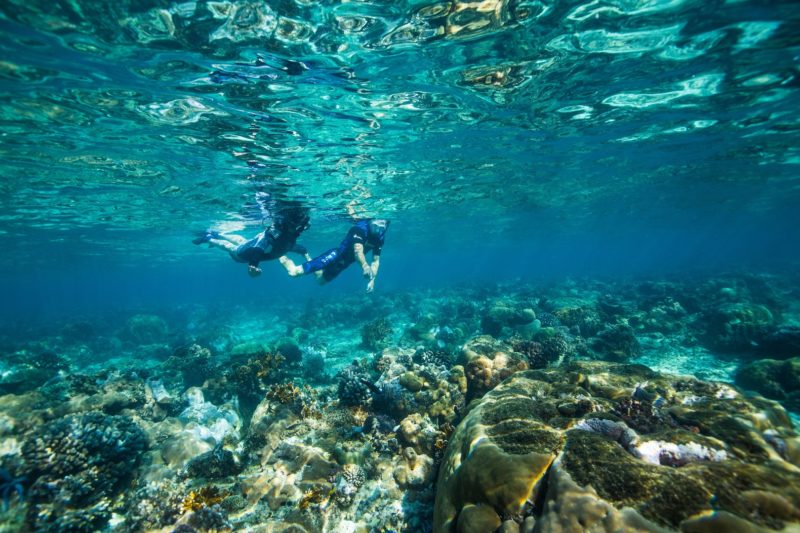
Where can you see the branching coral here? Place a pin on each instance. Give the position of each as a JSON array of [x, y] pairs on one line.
[[533, 351], [79, 462], [284, 393], [302, 399], [347, 482], [354, 386], [250, 378], [374, 333]]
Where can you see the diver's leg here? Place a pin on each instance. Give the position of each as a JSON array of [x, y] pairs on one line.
[[332, 270], [210, 235], [224, 244], [234, 239], [315, 265], [292, 269]]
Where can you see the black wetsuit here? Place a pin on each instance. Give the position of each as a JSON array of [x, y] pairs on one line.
[[267, 246], [335, 260]]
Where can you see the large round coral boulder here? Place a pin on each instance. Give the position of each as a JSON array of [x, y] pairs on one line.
[[778, 380], [598, 446], [738, 326]]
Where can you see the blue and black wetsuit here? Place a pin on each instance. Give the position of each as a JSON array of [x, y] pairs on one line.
[[267, 246], [335, 260]]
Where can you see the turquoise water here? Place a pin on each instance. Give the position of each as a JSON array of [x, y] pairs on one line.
[[629, 167]]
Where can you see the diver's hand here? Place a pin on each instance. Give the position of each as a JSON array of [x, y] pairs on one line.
[[367, 271], [254, 271], [371, 285]]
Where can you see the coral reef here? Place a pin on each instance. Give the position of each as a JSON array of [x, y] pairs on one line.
[[346, 484], [779, 380], [250, 380], [375, 333], [30, 369], [194, 362], [204, 497], [505, 315], [782, 343], [217, 463], [354, 386], [288, 350], [616, 342], [516, 455], [201, 427], [321, 418], [487, 362], [9, 486], [145, 329], [77, 464], [155, 505], [738, 326]]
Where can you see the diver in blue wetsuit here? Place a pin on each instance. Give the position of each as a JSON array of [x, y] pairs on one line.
[[365, 236], [274, 242]]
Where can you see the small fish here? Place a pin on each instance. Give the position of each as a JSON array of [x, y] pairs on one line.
[[371, 386], [55, 379]]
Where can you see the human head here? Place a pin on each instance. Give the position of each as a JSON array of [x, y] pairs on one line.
[[294, 220], [378, 226]]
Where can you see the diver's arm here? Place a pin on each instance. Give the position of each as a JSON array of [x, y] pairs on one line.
[[253, 270], [358, 250], [376, 262], [299, 249]]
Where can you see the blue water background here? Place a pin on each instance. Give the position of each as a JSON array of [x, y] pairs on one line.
[[563, 168], [68, 286]]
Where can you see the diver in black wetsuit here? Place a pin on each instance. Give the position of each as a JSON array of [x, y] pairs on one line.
[[274, 242], [365, 235]]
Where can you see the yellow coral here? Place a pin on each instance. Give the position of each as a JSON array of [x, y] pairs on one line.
[[265, 365], [284, 393], [205, 497], [315, 496], [359, 415], [309, 411]]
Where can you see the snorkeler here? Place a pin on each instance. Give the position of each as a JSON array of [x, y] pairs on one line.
[[366, 235], [274, 242]]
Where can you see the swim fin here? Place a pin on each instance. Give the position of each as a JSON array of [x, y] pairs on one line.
[[206, 236]]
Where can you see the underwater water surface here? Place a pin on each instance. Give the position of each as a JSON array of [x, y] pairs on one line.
[[587, 312]]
